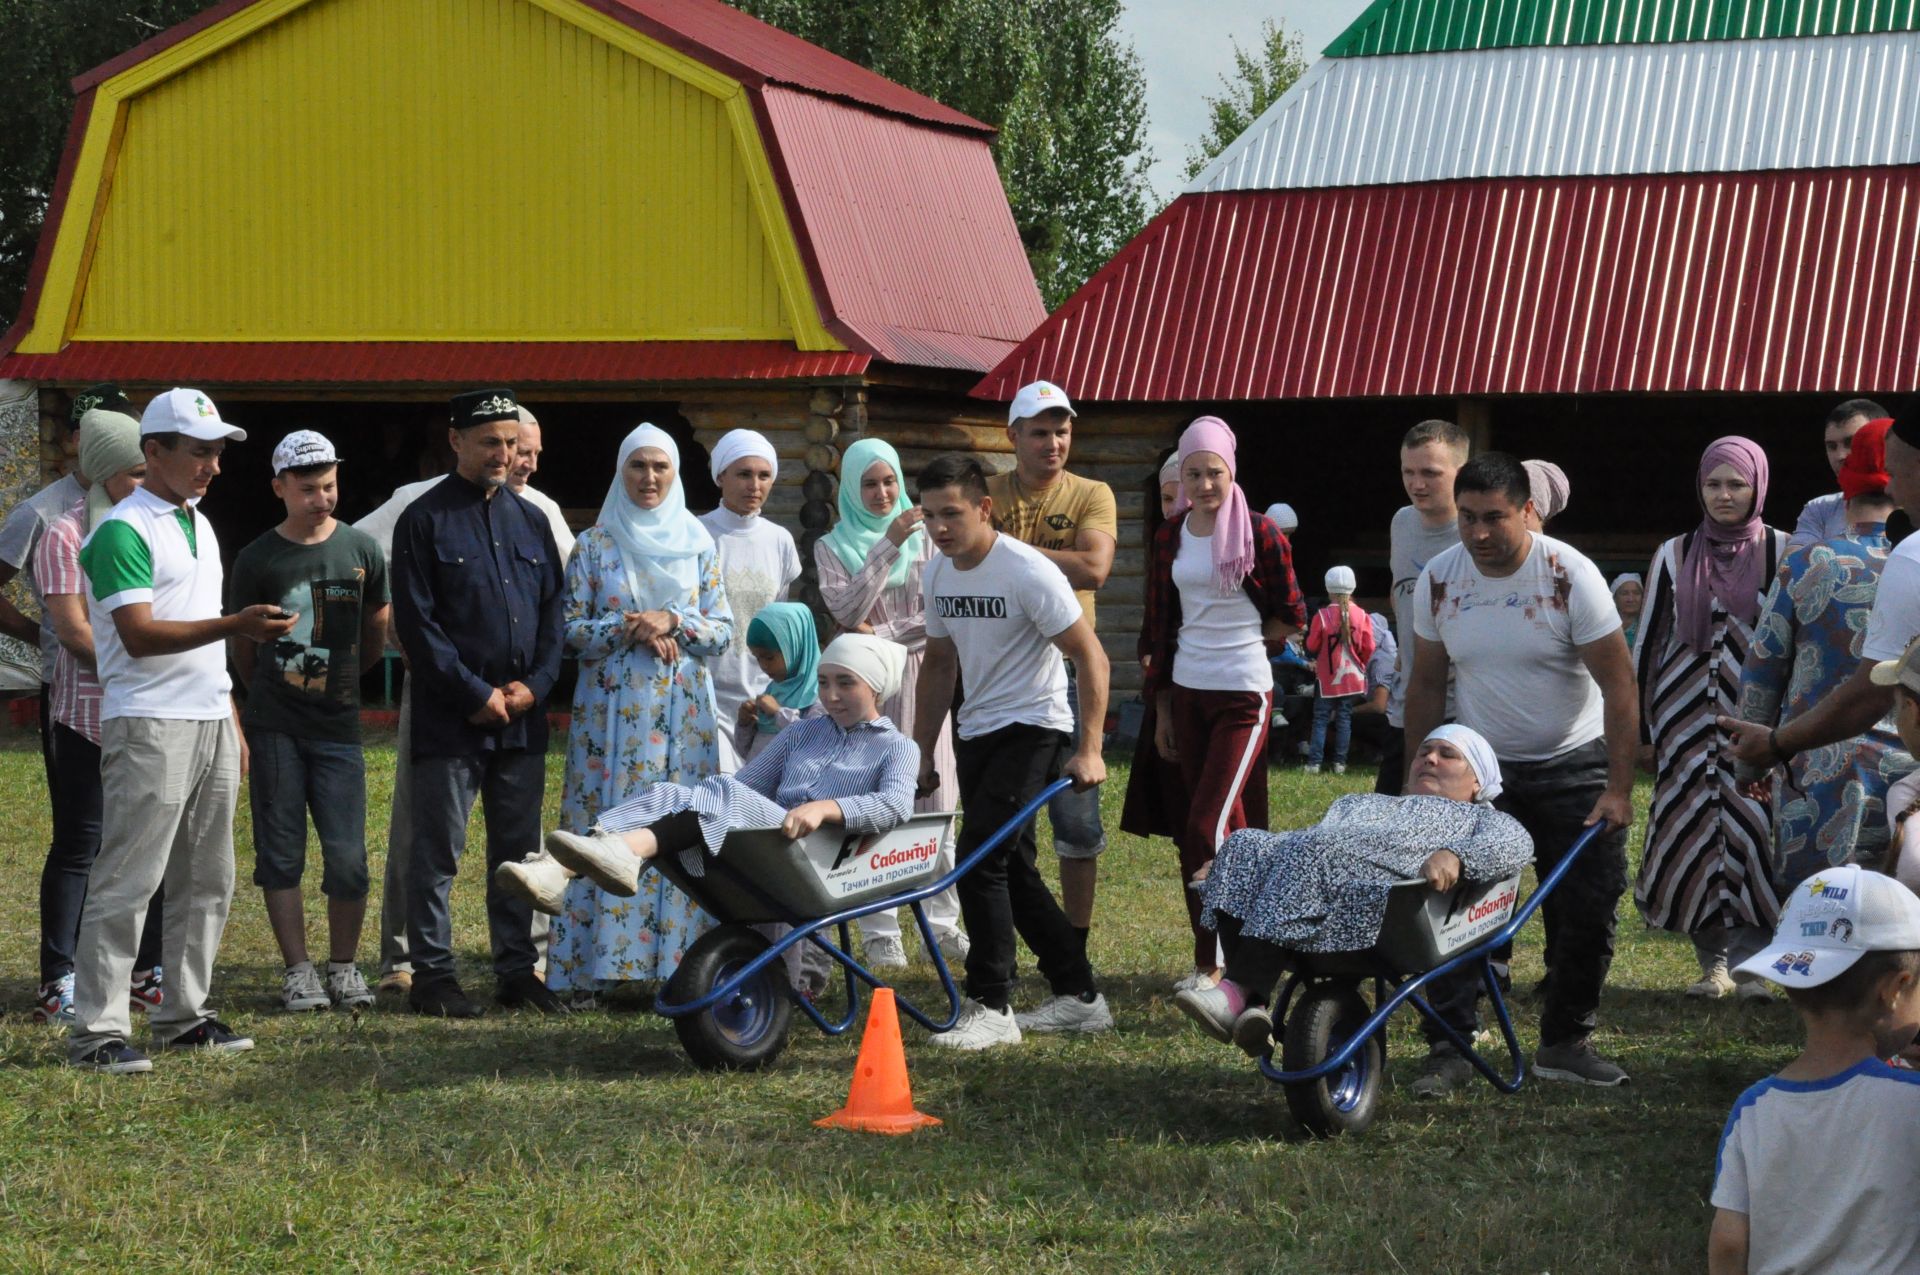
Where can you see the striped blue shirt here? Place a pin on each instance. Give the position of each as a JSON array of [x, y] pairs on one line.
[[869, 771]]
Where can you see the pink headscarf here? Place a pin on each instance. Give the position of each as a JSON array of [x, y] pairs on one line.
[[1233, 527], [1724, 562]]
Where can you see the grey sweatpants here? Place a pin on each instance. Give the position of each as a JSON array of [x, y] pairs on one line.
[[169, 790]]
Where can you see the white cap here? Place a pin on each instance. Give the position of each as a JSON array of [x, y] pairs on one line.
[[1282, 516], [1834, 918], [1901, 671], [189, 412], [301, 448], [1041, 396], [1340, 580]]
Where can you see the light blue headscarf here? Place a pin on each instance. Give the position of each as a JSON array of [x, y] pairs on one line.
[[854, 536], [787, 627], [660, 548]]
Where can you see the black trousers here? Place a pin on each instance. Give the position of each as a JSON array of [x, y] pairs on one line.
[[1253, 965], [999, 773], [1551, 800], [73, 787], [1393, 762]]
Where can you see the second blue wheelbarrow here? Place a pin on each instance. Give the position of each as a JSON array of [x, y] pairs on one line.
[[1331, 1040], [731, 1001]]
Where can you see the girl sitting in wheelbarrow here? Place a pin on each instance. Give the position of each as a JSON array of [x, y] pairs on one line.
[[849, 767], [1324, 888]]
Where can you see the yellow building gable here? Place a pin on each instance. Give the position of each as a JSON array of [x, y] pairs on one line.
[[423, 170]]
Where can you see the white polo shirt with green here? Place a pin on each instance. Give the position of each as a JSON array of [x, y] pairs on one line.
[[148, 550]]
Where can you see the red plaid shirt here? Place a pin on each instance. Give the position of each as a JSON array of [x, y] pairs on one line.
[[1271, 585]]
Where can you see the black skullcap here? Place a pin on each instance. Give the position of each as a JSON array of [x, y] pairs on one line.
[[105, 396], [482, 406]]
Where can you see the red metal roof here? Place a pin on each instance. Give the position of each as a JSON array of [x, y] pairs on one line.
[[438, 363], [1753, 282], [907, 233], [715, 34]]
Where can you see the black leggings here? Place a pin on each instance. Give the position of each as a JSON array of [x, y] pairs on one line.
[[1254, 965]]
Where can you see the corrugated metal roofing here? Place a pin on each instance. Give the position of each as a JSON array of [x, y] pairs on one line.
[[436, 363], [908, 231], [1730, 106], [1773, 282], [1435, 26]]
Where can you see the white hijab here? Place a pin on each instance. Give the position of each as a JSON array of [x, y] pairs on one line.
[[877, 662], [660, 548], [1479, 754]]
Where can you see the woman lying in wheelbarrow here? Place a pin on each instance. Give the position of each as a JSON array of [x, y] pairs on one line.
[[1324, 888], [849, 767]]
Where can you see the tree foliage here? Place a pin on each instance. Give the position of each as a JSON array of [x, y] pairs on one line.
[[43, 45], [1258, 80], [1058, 80]]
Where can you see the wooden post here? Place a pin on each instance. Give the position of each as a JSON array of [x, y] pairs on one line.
[[1476, 417]]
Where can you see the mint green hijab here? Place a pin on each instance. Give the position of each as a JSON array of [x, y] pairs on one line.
[[853, 537], [787, 627]]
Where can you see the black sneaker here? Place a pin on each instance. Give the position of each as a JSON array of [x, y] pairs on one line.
[[212, 1035], [114, 1058], [441, 998], [517, 990], [1445, 1071], [1576, 1063]]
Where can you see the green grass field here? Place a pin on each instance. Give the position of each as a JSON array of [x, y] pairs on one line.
[[394, 1143]]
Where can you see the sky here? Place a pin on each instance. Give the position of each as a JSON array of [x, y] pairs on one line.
[[1185, 45]]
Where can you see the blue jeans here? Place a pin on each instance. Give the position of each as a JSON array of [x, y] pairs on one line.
[[1340, 709], [292, 776], [1077, 833]]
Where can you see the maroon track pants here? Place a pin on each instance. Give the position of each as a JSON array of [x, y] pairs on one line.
[[1222, 740]]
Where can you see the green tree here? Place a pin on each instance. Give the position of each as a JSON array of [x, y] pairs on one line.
[[1258, 80], [43, 45], [1058, 80]]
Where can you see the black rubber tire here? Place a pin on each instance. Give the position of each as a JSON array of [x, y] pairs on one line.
[[1324, 1016], [746, 1032]]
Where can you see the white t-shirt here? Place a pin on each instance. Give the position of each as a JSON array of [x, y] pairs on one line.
[[1002, 617], [1514, 641], [1411, 545], [758, 560], [1904, 838], [1220, 647], [1827, 1171], [1896, 606]]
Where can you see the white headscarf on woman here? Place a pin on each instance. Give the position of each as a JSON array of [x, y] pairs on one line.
[[737, 444], [877, 662], [660, 548], [1479, 754]]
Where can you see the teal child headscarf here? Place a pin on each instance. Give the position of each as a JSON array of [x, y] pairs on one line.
[[853, 537], [787, 627]]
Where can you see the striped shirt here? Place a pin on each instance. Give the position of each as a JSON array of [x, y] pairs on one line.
[[869, 771], [74, 689]]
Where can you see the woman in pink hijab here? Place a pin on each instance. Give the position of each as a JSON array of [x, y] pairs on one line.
[[1221, 598], [1706, 872]]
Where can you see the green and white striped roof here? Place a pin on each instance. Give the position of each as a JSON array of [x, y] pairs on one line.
[[1438, 90]]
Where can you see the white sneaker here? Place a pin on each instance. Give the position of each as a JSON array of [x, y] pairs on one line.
[[885, 953], [1311, 768], [1208, 1007], [980, 1028], [1339, 768], [539, 879], [954, 944], [1068, 1014], [600, 857], [1194, 979], [301, 989], [347, 989]]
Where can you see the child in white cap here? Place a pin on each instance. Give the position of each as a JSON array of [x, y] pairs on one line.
[[1340, 639], [1818, 1168]]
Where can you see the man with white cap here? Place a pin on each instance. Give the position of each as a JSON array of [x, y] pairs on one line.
[[396, 971], [171, 753], [1817, 1168], [302, 715], [758, 563], [1075, 524]]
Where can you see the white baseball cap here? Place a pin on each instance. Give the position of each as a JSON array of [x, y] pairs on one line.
[[301, 448], [189, 412], [1041, 396], [1834, 918], [1903, 670]]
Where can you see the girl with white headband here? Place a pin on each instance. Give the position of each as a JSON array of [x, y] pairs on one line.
[[758, 564]]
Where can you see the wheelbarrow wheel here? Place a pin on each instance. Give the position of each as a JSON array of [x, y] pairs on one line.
[[747, 1030], [1324, 1017]]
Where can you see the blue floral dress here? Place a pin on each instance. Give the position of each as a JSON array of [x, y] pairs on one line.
[[1831, 807], [636, 722]]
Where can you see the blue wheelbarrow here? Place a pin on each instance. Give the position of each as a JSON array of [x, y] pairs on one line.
[[1331, 1041], [730, 1001]]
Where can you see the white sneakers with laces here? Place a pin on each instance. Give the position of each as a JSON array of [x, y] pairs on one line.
[[1068, 1014], [301, 990], [539, 879], [884, 952], [980, 1028]]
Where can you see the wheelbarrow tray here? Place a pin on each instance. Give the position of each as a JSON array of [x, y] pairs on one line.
[[1422, 928]]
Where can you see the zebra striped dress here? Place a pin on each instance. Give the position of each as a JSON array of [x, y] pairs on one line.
[[1708, 859]]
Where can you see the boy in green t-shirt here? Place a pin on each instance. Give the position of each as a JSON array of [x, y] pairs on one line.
[[302, 715]]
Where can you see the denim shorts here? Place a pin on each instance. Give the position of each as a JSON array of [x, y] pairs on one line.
[[292, 776]]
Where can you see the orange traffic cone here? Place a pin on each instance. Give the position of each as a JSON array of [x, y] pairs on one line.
[[880, 1101]]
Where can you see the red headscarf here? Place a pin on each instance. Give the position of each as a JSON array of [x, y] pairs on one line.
[[1865, 472], [1724, 562]]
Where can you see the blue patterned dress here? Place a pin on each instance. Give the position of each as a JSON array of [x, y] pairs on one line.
[[636, 722], [1829, 806]]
